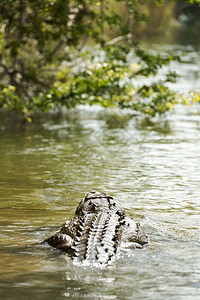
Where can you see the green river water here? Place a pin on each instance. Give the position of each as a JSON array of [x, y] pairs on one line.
[[151, 168]]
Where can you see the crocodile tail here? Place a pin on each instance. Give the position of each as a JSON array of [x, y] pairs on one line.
[[80, 243], [95, 236], [110, 240], [98, 237]]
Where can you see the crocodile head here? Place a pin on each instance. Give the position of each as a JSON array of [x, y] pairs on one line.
[[95, 201]]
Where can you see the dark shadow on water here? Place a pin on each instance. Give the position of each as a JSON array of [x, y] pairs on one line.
[[115, 120], [13, 121], [161, 125], [73, 120]]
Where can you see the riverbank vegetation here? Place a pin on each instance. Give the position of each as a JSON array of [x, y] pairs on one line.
[[56, 54]]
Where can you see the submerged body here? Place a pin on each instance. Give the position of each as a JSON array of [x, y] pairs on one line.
[[99, 231]]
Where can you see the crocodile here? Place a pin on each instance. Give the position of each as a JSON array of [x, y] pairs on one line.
[[99, 231]]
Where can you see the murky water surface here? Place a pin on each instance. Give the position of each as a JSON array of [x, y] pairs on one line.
[[151, 168]]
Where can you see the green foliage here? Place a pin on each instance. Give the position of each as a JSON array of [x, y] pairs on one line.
[[43, 65], [106, 78], [9, 99]]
